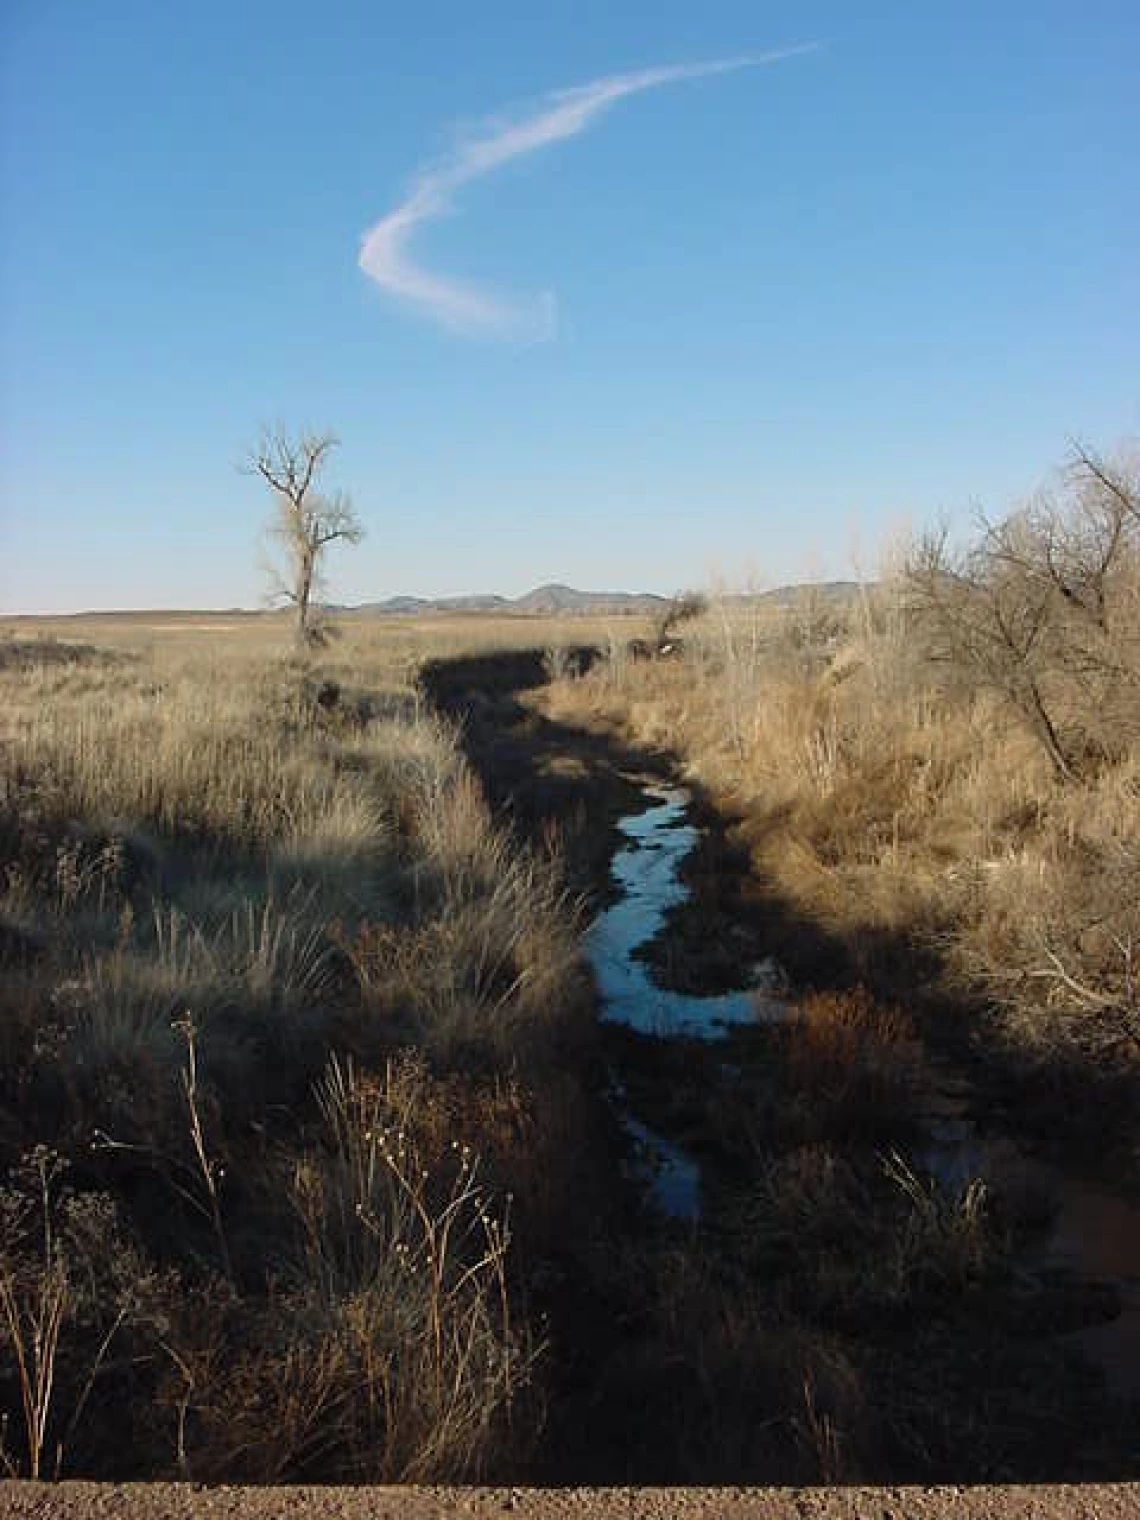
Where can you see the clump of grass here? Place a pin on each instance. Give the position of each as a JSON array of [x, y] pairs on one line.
[[39, 654], [852, 1063], [393, 1355]]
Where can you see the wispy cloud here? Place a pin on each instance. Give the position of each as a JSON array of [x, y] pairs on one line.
[[385, 254]]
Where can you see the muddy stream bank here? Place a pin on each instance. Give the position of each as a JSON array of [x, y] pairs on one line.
[[826, 1260]]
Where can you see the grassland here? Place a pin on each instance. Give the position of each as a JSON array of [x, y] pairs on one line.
[[308, 1174], [292, 1045]]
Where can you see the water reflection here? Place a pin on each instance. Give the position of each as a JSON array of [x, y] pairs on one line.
[[647, 872]]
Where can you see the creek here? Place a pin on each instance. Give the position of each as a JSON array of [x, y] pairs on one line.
[[1087, 1246]]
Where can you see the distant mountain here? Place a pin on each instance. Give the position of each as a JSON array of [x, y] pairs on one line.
[[486, 602], [410, 606], [836, 593], [564, 601], [556, 598], [398, 606], [542, 601]]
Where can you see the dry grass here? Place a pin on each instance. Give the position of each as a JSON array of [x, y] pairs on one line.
[[882, 795], [236, 892], [391, 1352], [296, 1018], [851, 1064]]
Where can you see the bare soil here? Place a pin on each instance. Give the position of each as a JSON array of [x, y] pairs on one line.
[[157, 1501]]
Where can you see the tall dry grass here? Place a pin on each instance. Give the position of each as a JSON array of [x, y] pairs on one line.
[[255, 919]]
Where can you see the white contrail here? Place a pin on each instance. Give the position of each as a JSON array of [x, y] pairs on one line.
[[384, 254]]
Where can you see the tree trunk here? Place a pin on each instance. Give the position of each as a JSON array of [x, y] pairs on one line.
[[304, 592], [1047, 733]]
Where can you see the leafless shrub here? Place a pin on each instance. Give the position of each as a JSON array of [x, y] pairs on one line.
[[683, 608], [1043, 609]]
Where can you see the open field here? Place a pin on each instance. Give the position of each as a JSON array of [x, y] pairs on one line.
[[313, 1167], [288, 1020], [392, 644]]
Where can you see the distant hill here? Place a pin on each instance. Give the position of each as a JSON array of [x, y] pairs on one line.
[[410, 606], [556, 599], [542, 601], [836, 593]]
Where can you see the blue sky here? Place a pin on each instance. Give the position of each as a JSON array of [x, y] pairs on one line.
[[735, 326]]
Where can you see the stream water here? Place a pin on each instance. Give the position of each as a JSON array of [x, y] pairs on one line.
[[647, 871], [1093, 1235]]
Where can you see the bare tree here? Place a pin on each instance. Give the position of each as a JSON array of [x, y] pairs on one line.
[[983, 613], [306, 520], [1045, 608]]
